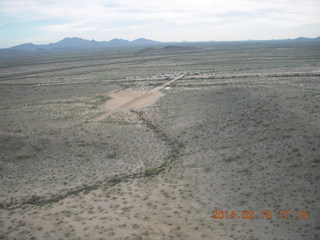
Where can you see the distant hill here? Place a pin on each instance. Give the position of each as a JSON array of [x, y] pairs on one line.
[[167, 49], [149, 50], [306, 39], [69, 43], [79, 43], [29, 47]]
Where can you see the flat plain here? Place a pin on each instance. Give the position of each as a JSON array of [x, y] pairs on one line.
[[122, 145]]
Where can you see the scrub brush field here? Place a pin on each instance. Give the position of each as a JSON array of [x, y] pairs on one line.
[[217, 141]]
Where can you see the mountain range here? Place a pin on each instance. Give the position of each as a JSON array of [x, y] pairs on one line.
[[76, 43], [79, 43]]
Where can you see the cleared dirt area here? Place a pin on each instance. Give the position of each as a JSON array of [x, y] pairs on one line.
[[99, 146], [130, 99]]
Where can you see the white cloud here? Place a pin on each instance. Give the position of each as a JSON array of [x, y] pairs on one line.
[[76, 27], [166, 10], [92, 16]]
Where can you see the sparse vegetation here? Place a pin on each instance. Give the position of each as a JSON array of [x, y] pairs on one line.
[[240, 131]]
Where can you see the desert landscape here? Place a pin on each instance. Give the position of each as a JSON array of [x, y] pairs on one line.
[[146, 143]]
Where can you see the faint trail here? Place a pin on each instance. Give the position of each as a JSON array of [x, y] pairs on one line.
[[130, 99]]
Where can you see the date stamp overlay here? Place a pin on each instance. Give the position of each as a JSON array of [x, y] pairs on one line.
[[265, 214]]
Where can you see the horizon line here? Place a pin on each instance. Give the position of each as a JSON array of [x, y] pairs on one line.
[[184, 41]]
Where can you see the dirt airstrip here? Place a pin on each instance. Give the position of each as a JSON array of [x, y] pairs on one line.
[[130, 99]]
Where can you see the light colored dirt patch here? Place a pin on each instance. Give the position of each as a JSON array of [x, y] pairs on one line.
[[146, 99], [130, 99]]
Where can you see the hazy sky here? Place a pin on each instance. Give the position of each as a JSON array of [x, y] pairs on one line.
[[45, 21]]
